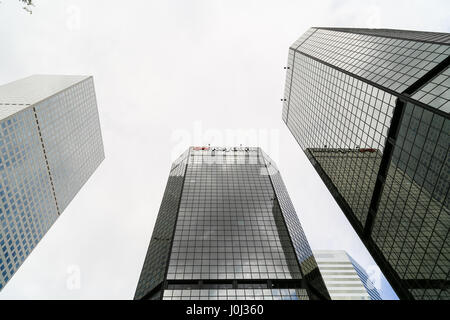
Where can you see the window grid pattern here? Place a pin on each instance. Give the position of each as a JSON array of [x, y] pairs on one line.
[[326, 100], [70, 129], [155, 264], [368, 284], [287, 84], [431, 294], [356, 187], [16, 96], [413, 219], [33, 141], [436, 93], [230, 227], [303, 251], [290, 69], [439, 37], [236, 294], [389, 62], [303, 38], [338, 106], [301, 245], [27, 204], [229, 224]]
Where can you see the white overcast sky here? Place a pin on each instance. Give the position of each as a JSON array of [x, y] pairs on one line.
[[170, 74]]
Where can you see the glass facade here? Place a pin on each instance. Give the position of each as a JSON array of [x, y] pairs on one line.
[[50, 143], [230, 232], [370, 110], [344, 277], [365, 279]]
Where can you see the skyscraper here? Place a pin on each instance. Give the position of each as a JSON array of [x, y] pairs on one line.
[[227, 229], [370, 108], [344, 277], [50, 144]]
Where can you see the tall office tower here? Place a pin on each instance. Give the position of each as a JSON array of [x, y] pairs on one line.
[[370, 108], [50, 144], [227, 230], [344, 277]]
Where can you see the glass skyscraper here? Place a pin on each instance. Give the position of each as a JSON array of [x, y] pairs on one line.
[[370, 108], [227, 230], [50, 144], [344, 277]]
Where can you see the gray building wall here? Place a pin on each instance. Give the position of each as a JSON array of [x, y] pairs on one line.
[[50, 144]]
